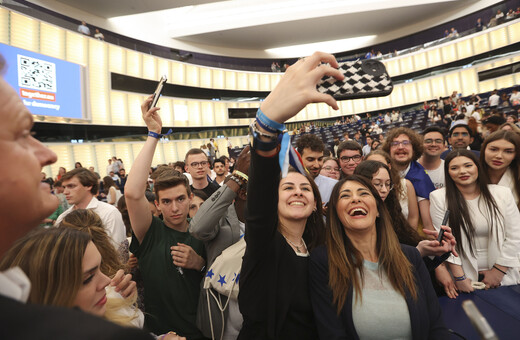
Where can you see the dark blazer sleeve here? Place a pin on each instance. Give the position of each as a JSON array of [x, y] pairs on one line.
[[328, 322]]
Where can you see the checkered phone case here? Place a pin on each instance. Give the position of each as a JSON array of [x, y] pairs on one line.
[[363, 79]]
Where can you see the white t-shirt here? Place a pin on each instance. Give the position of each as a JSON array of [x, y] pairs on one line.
[[493, 100], [437, 176]]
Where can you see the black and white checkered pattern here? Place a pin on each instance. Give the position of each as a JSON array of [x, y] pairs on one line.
[[358, 83]]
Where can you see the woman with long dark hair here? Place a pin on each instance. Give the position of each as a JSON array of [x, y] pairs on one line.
[[284, 220], [500, 160], [484, 221], [364, 283]]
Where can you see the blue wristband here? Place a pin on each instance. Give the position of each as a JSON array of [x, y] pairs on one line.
[[158, 135], [268, 124]]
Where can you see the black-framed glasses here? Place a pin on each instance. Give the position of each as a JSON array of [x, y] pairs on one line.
[[379, 186], [346, 159], [431, 141], [196, 164], [404, 143]]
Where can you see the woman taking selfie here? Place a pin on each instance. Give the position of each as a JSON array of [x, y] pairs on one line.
[[364, 283], [484, 220], [500, 159], [284, 217]]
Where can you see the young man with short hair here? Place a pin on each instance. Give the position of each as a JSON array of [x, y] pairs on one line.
[[81, 188], [460, 136], [433, 143], [171, 260], [368, 146], [311, 148], [349, 156], [197, 165], [220, 171]]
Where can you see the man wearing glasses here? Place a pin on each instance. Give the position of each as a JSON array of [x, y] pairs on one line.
[[311, 148], [197, 165], [433, 142], [460, 137], [350, 155]]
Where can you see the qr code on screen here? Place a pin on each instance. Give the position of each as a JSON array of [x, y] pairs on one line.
[[36, 74]]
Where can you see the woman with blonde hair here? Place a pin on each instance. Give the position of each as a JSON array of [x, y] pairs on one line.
[[64, 267]]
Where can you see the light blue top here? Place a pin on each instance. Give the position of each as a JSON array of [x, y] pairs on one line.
[[383, 312]]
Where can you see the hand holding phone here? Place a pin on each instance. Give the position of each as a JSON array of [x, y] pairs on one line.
[[444, 221], [158, 91], [363, 79]]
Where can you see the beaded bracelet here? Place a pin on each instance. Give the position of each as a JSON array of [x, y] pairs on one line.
[[236, 180], [460, 278], [500, 270]]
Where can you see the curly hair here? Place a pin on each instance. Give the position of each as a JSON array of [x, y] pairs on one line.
[[415, 139], [310, 141]]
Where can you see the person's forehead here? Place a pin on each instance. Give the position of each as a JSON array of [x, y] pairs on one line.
[[73, 180], [196, 158], [433, 134], [295, 178], [173, 192], [460, 130], [307, 152], [401, 137], [348, 152], [13, 113]]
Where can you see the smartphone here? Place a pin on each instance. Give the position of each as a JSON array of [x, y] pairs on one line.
[[363, 79], [158, 91], [444, 221]]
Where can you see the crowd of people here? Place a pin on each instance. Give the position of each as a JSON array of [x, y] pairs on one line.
[[333, 244]]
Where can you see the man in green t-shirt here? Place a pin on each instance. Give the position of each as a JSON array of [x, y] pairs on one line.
[[171, 261]]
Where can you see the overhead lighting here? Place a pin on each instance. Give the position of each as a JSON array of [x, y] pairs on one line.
[[332, 46]]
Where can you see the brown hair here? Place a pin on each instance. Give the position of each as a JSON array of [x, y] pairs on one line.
[[194, 151], [310, 141], [52, 260], [88, 221], [394, 174], [415, 139], [170, 179], [85, 177], [513, 138], [345, 261]]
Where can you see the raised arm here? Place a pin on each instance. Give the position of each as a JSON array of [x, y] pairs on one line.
[[138, 210]]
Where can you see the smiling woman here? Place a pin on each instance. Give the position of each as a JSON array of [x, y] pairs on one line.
[[364, 283]]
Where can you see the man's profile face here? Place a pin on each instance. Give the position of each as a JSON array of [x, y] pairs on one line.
[[460, 138], [24, 201], [75, 192], [197, 165], [313, 161]]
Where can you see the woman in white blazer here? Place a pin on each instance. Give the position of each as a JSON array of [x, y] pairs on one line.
[[484, 220]]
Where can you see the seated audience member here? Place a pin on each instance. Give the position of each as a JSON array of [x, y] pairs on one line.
[[80, 187], [58, 191], [330, 168], [23, 204], [500, 160], [171, 291], [362, 282], [111, 190], [484, 220], [433, 143], [405, 147], [61, 172], [402, 187], [311, 149], [475, 132], [199, 197], [79, 281], [220, 171], [367, 147], [492, 123], [50, 220], [220, 223], [510, 127], [283, 217], [350, 155], [197, 165], [380, 177], [375, 145]]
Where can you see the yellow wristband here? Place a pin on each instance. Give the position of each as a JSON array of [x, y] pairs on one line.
[[241, 174]]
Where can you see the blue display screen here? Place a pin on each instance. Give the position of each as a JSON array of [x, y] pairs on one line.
[[46, 85]]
